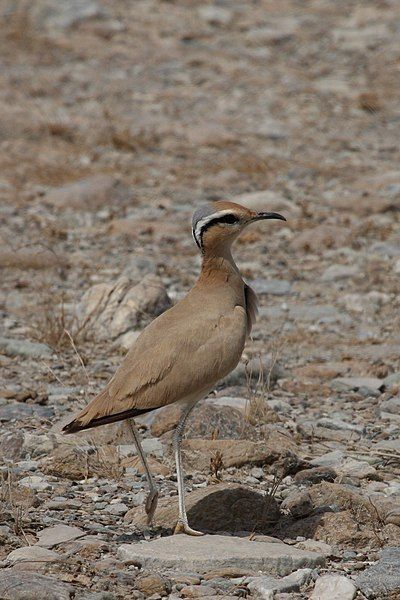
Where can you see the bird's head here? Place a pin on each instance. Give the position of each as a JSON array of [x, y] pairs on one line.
[[219, 223]]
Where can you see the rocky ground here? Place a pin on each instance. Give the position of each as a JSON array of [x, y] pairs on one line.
[[117, 119]]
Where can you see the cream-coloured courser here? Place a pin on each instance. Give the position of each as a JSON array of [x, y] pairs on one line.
[[183, 353]]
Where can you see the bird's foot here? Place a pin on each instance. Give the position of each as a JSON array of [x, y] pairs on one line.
[[183, 527], [151, 505]]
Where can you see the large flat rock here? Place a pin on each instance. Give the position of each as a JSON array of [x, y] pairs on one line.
[[200, 554]]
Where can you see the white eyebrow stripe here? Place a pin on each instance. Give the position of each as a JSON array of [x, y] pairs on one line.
[[205, 220]]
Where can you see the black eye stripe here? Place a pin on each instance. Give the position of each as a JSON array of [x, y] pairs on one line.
[[229, 219]]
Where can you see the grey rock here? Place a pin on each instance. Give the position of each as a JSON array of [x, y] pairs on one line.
[[32, 554], [298, 503], [153, 446], [257, 472], [318, 313], [290, 583], [337, 272], [118, 509], [330, 459], [275, 287], [138, 266], [26, 348], [392, 380], [201, 554], [17, 411], [392, 405], [347, 384], [338, 424], [35, 482], [63, 15], [383, 577], [37, 445], [330, 587], [316, 546], [241, 404], [215, 15], [112, 309], [390, 250], [264, 368], [357, 468], [11, 445], [52, 536], [20, 585]]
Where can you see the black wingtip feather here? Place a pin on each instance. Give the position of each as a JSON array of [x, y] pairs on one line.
[[75, 425]]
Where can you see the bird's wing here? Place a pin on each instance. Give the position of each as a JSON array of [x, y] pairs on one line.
[[172, 359]]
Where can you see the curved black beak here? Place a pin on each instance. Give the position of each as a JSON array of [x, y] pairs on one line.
[[269, 215]]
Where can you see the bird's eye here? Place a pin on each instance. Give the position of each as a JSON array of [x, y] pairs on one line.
[[230, 219]]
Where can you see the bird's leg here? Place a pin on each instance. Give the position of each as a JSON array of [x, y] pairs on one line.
[[152, 498], [182, 525]]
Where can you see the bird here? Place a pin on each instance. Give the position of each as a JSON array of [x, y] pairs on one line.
[[183, 353]]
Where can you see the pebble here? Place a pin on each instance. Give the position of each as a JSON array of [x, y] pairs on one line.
[[290, 583], [118, 509]]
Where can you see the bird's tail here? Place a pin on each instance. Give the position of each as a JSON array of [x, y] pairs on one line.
[[99, 412]]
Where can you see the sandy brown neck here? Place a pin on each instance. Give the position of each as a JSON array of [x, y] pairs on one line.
[[218, 264]]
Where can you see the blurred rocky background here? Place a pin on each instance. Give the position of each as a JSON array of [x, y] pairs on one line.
[[117, 119]]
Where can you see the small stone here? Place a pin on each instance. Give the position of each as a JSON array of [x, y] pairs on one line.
[[290, 583], [215, 15], [200, 554], [330, 587], [52, 536], [298, 504], [152, 583], [257, 473], [118, 509]]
